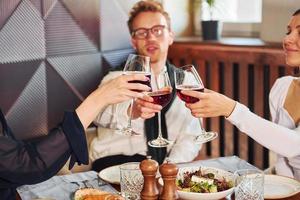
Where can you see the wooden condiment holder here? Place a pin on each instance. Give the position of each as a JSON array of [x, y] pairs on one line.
[[169, 172], [149, 169]]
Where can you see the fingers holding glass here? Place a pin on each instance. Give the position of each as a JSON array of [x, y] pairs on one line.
[[145, 108]]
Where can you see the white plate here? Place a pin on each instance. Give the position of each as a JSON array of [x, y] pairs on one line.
[[277, 187], [111, 174], [219, 173]]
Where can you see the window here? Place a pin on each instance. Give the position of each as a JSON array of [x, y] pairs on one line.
[[234, 11]]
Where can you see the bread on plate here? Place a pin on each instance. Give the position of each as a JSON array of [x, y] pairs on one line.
[[95, 194]]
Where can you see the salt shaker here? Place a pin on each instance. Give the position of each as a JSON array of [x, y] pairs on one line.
[[149, 169], [169, 172]]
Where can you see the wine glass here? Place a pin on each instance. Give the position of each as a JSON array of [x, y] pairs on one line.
[[187, 78], [162, 95], [136, 64]]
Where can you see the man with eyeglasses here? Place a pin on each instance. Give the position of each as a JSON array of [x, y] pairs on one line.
[[151, 35]]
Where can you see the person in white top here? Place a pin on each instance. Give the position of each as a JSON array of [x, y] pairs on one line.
[[151, 36], [282, 135]]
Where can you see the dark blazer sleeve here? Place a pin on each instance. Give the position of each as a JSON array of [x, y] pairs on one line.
[[33, 162]]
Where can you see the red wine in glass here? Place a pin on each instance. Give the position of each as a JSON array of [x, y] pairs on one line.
[[186, 98], [148, 82], [161, 97]]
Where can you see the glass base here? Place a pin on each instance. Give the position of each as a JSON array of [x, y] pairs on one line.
[[160, 142], [205, 137], [129, 132]]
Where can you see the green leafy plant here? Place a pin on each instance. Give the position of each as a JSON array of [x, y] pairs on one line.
[[211, 4]]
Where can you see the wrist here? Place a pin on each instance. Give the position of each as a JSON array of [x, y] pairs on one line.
[[100, 100], [230, 107]]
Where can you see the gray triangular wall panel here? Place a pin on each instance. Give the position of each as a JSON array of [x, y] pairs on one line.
[[87, 15], [64, 35], [113, 24], [22, 37], [7, 7], [81, 72], [13, 79], [115, 58], [60, 97], [48, 5], [38, 5], [28, 116]]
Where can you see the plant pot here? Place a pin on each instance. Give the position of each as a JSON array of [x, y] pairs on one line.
[[211, 30]]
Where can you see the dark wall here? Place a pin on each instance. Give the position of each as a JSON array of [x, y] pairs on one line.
[[53, 53]]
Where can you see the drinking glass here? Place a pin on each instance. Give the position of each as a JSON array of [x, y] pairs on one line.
[[162, 95], [131, 181], [249, 184], [187, 78], [136, 64]]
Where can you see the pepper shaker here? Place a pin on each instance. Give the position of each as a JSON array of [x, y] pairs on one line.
[[169, 172], [149, 169]]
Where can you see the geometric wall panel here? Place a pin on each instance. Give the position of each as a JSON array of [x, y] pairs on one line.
[[38, 6], [28, 115], [114, 59], [7, 7], [50, 57], [60, 97], [47, 7], [81, 72], [87, 15], [113, 21], [13, 79], [64, 35], [22, 37]]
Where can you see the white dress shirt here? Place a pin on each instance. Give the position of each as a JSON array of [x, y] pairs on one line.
[[182, 128], [280, 136]]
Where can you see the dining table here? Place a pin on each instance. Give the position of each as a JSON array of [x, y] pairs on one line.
[[63, 187]]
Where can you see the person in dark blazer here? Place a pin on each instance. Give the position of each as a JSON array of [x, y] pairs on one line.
[[24, 162]]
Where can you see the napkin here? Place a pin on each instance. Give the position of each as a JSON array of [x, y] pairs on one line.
[[63, 187]]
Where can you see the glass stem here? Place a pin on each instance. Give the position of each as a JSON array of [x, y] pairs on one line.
[[201, 126], [159, 125], [130, 114]]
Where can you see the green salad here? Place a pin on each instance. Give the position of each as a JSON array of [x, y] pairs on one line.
[[202, 183]]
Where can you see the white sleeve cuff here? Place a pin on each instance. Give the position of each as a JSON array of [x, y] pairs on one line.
[[237, 113]]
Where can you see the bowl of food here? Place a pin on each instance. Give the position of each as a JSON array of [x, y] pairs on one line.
[[203, 183]]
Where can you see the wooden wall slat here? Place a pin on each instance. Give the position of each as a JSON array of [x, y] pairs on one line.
[[228, 91], [215, 123], [258, 109], [243, 98], [176, 61], [273, 74]]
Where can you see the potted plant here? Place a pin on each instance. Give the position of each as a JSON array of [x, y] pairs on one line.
[[211, 29]]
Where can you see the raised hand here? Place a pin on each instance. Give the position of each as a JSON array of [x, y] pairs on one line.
[[114, 91], [119, 89], [145, 108], [210, 104]]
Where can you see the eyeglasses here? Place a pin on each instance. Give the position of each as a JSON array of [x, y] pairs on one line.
[[142, 33]]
